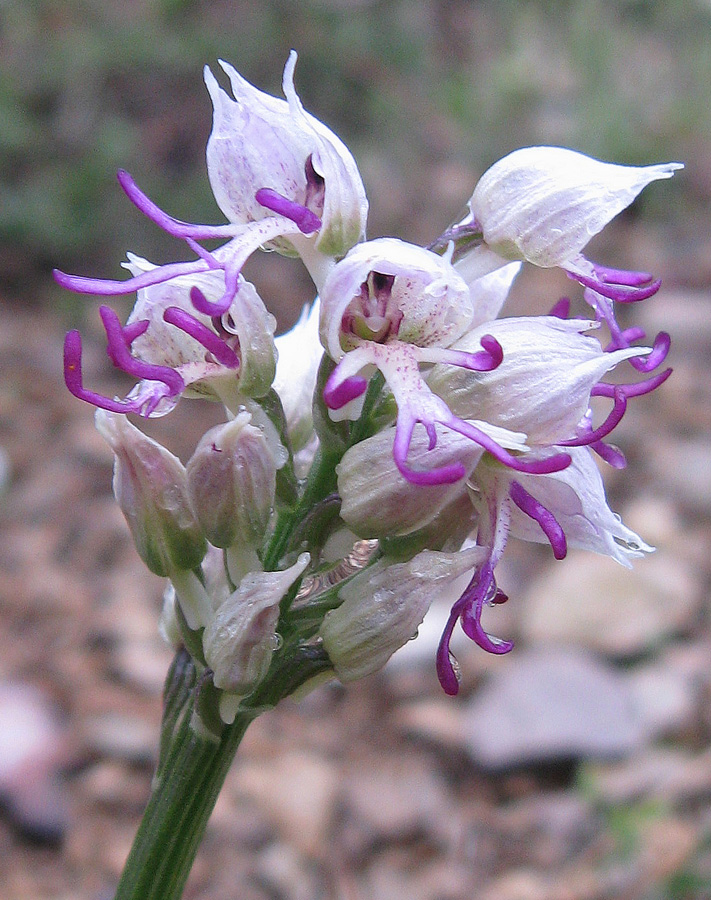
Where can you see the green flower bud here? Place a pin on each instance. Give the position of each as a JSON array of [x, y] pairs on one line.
[[240, 639], [151, 488], [383, 607]]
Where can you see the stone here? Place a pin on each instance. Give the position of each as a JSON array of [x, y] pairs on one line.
[[551, 705], [396, 797], [32, 749], [121, 736], [597, 603], [665, 698], [296, 792], [683, 466], [435, 721]]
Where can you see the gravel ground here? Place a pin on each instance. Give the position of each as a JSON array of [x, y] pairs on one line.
[[577, 768]]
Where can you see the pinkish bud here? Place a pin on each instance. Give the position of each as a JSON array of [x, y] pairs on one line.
[[231, 482], [151, 488]]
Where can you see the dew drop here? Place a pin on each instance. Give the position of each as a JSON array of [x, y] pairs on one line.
[[277, 641]]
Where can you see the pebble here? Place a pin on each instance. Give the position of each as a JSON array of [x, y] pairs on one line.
[[396, 797], [671, 775], [683, 466], [595, 602], [286, 873], [123, 737], [436, 721], [32, 748], [297, 792], [549, 705], [665, 698], [143, 663]]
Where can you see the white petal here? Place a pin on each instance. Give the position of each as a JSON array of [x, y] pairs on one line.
[[541, 388], [543, 204]]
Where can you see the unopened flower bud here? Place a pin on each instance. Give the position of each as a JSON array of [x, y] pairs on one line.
[[383, 607], [240, 639], [150, 486], [543, 204], [231, 482], [379, 502]]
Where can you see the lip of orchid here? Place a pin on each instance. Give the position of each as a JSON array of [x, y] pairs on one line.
[[74, 382], [619, 394], [475, 597], [619, 407], [622, 339], [418, 405], [219, 348], [468, 609], [168, 223], [409, 416], [244, 240], [629, 290], [637, 389], [105, 287], [118, 351]]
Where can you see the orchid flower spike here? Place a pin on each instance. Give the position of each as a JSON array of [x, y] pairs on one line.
[[543, 205]]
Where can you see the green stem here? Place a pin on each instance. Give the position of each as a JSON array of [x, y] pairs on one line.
[[191, 774], [321, 482]]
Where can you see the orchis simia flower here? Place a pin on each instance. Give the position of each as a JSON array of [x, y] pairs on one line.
[[375, 458], [543, 205], [394, 306], [285, 182], [484, 427]]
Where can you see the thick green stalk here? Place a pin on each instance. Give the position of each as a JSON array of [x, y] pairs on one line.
[[191, 772]]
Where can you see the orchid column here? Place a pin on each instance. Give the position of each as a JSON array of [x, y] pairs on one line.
[[373, 459]]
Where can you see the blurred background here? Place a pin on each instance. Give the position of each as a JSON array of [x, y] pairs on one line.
[[577, 767]]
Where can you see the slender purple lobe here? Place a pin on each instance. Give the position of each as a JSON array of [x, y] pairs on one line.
[[307, 221], [545, 518], [172, 226], [403, 436], [337, 396], [621, 292], [119, 354], [222, 352], [447, 671], [74, 382]]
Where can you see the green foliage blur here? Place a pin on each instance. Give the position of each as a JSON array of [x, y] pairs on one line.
[[426, 93]]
